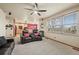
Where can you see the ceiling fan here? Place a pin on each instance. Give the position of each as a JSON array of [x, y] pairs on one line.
[[35, 10]]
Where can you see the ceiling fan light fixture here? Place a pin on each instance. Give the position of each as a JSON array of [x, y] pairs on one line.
[[35, 12]]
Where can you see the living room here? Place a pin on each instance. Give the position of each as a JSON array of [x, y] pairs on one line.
[[37, 17]]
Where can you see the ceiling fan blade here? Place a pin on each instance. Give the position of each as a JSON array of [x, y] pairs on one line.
[[31, 13], [39, 14], [36, 5], [42, 10], [28, 9]]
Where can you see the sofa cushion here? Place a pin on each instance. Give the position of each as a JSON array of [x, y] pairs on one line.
[[36, 34], [3, 41], [26, 35]]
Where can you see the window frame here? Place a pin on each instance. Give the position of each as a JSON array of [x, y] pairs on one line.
[[61, 30]]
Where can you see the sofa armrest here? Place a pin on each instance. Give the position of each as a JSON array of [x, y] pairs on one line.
[[8, 48]]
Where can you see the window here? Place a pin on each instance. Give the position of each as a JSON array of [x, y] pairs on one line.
[[63, 24], [49, 25], [69, 23], [52, 25], [69, 19], [58, 24], [58, 21]]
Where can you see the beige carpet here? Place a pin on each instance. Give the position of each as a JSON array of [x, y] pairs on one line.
[[45, 47]]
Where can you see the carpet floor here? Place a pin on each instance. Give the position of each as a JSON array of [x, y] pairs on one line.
[[44, 47]]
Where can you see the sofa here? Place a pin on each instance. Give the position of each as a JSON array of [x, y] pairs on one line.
[[27, 37], [36, 36], [6, 46]]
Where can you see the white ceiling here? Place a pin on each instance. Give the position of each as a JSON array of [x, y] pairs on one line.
[[19, 12]]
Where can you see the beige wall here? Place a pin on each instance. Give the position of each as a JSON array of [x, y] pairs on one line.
[[69, 39], [2, 23]]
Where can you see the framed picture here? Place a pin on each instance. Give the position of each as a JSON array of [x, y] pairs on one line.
[[20, 27]]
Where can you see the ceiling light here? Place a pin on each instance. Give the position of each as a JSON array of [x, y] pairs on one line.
[[35, 12]]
